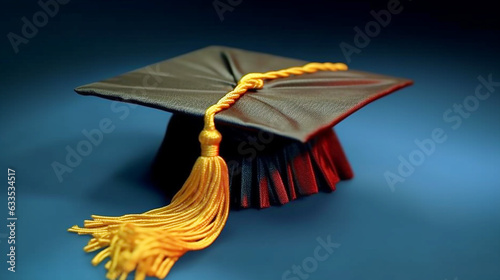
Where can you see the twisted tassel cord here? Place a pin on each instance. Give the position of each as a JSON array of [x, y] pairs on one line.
[[150, 243]]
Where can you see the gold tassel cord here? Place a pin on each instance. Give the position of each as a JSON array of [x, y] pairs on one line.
[[150, 243]]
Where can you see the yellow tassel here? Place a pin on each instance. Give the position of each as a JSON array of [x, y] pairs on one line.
[[150, 243]]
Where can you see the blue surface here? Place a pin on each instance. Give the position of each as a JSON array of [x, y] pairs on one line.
[[442, 222]]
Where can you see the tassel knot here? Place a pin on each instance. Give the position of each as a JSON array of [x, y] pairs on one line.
[[210, 140]]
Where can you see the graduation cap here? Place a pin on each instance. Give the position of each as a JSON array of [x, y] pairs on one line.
[[265, 127]]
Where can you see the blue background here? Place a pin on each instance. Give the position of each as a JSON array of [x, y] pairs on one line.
[[442, 222]]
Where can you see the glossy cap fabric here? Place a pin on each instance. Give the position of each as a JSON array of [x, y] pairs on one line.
[[297, 107]]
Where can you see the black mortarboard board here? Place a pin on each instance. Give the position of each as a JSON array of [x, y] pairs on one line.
[[290, 149]]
